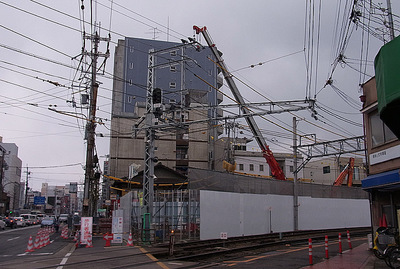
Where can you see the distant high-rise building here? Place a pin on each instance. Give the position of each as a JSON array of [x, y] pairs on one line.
[[187, 77]]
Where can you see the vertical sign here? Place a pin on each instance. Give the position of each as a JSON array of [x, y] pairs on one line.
[[86, 229], [117, 229]]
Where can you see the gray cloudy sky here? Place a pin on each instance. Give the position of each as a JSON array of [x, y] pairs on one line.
[[40, 37]]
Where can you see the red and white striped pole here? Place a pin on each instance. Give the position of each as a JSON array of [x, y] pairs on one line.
[[326, 247], [310, 251], [348, 239], [340, 243]]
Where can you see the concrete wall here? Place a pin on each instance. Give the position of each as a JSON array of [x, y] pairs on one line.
[[241, 214]]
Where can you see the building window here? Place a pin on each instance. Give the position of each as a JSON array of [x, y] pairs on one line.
[[326, 169], [130, 65], [130, 82], [181, 153], [356, 173], [131, 48], [172, 68], [261, 167], [241, 167], [172, 85], [239, 147], [131, 98], [173, 53], [380, 133], [251, 167], [291, 169]]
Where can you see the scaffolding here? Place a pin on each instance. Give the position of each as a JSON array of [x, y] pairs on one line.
[[176, 211]]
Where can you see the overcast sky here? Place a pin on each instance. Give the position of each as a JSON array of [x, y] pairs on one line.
[[40, 38]]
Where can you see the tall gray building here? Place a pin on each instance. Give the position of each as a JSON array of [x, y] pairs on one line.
[[188, 80], [11, 173]]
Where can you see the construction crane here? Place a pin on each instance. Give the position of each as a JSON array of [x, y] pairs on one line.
[[276, 170], [347, 171]]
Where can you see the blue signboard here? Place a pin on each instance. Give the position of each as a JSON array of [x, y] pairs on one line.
[[39, 200]]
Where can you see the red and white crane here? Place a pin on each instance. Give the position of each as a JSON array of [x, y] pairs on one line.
[[276, 170]]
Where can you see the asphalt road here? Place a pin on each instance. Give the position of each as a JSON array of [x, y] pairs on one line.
[[14, 243]]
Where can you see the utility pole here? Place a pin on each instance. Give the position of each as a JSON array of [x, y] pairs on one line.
[[3, 152], [26, 186], [148, 173], [295, 187], [91, 177], [390, 17], [154, 109]]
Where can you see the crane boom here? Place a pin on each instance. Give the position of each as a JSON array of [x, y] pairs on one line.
[[276, 170], [347, 171]]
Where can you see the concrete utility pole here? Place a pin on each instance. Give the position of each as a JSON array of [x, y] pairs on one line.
[[3, 152], [295, 187], [26, 187], [390, 17], [91, 177]]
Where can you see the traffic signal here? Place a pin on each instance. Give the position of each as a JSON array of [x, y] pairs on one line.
[[157, 96]]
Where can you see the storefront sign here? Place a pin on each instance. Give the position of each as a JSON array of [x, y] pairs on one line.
[[384, 155]]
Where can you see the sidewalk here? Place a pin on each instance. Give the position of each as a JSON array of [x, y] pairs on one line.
[[358, 257]]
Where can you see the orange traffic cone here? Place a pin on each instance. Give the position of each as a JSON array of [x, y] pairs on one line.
[[47, 239], [130, 241], [89, 242], [30, 245], [64, 233], [36, 245], [41, 243]]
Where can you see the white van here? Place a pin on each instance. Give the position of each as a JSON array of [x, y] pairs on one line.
[[30, 219]]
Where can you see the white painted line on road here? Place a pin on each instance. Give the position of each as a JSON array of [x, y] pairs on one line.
[[23, 254], [64, 260], [13, 238], [41, 254]]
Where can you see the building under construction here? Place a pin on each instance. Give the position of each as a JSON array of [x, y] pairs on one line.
[[207, 203]]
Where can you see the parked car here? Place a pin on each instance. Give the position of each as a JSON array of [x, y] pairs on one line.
[[47, 222], [20, 221], [10, 222], [2, 224]]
